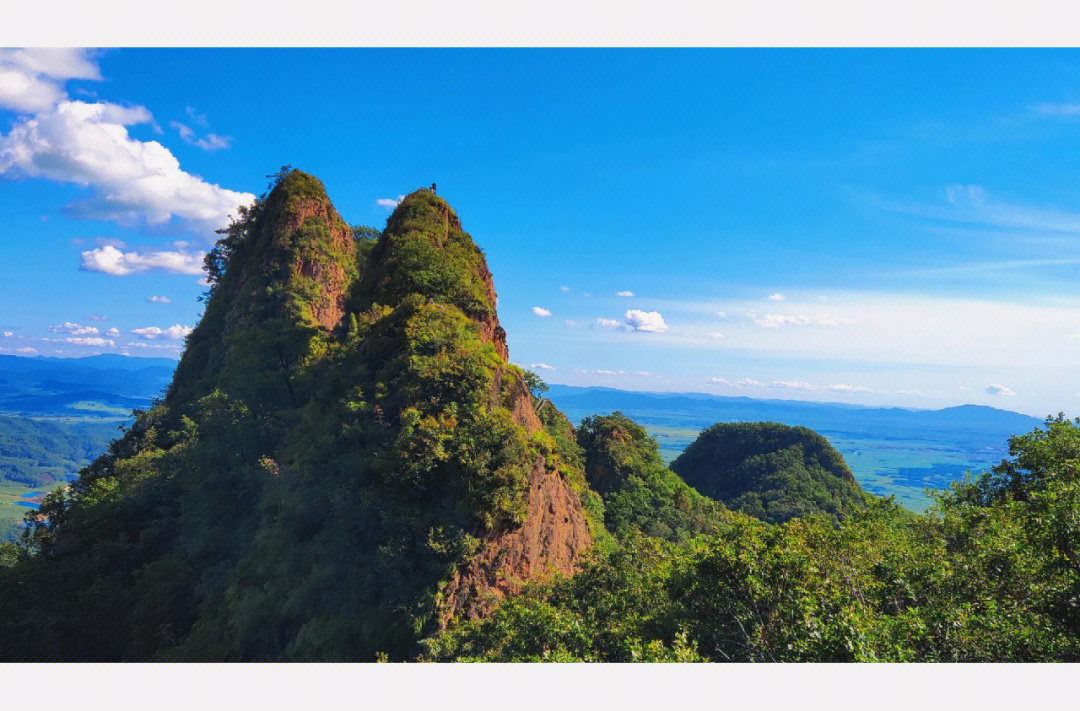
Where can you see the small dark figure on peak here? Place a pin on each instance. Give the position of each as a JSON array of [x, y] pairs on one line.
[[433, 188]]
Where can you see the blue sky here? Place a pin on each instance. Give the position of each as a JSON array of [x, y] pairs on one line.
[[880, 227]]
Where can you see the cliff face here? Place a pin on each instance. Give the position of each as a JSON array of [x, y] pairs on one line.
[[554, 533], [344, 463]]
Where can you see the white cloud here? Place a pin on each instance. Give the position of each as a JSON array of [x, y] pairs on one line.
[[130, 181], [8, 334], [777, 320], [74, 329], [608, 323], [113, 332], [154, 346], [90, 341], [740, 383], [641, 372], [210, 142], [564, 289], [96, 317], [541, 366], [721, 314], [792, 385], [172, 333], [844, 388], [716, 335], [998, 390], [624, 293], [648, 321], [110, 260], [156, 299], [389, 203], [26, 350], [775, 297], [30, 79], [541, 312], [604, 372]]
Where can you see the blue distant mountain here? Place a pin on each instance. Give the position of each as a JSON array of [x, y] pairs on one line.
[[102, 385], [892, 451]]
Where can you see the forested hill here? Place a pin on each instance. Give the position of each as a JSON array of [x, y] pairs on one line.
[[346, 466]]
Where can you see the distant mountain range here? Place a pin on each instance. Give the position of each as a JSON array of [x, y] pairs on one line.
[[96, 386]]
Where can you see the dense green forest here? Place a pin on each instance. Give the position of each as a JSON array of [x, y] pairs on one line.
[[346, 466]]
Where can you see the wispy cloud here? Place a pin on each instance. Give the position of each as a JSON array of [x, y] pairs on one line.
[[973, 204], [998, 390], [541, 366], [844, 388], [389, 203], [157, 299], [626, 294], [778, 320], [1056, 110], [209, 142]]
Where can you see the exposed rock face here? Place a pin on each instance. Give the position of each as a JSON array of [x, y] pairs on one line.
[[552, 540], [328, 308]]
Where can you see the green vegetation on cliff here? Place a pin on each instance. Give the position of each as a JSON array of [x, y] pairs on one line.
[[342, 435], [770, 471], [347, 467]]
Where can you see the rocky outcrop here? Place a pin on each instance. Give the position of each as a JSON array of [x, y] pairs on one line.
[[552, 540]]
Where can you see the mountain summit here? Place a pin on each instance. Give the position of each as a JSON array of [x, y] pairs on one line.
[[344, 463]]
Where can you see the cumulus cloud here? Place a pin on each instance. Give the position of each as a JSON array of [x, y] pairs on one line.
[[775, 297], [8, 334], [778, 320], [541, 312], [627, 294], [113, 332], [110, 260], [74, 329], [30, 79], [389, 203], [844, 388], [131, 182], [156, 299], [648, 321], [209, 142], [172, 333], [541, 366], [998, 390]]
